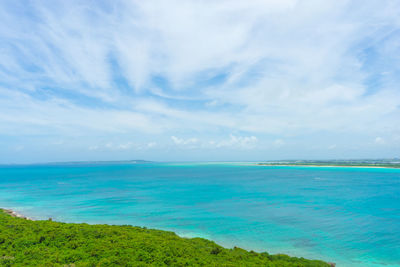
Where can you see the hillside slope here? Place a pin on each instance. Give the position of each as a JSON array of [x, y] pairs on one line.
[[48, 243]]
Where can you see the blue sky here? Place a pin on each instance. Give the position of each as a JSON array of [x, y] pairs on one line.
[[199, 80]]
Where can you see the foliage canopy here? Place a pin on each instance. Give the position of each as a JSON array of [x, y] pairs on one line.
[[48, 243]]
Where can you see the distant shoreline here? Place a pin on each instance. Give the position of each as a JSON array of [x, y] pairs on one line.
[[327, 166], [15, 214]]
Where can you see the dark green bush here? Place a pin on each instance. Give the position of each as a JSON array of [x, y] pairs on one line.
[[49, 243]]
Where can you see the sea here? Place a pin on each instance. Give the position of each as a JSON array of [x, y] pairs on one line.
[[350, 216]]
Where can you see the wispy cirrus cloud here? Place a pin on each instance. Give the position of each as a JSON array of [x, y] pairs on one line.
[[278, 70]]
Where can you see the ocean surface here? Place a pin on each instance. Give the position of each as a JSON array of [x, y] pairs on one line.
[[350, 216]]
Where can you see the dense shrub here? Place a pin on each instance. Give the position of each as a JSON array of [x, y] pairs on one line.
[[48, 243]]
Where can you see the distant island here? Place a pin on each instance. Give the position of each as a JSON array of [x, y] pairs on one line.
[[24, 242], [97, 162], [380, 163]]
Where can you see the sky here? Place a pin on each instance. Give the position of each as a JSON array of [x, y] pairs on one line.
[[193, 80]]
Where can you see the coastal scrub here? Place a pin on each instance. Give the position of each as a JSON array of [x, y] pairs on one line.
[[25, 242]]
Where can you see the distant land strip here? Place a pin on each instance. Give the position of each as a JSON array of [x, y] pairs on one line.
[[355, 164]]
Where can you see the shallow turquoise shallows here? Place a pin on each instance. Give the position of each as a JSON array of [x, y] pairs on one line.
[[350, 216]]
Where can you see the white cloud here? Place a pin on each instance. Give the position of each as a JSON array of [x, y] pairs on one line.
[[234, 141], [113, 146], [245, 142], [181, 141], [279, 142], [94, 147], [109, 145], [23, 113], [379, 141], [151, 144], [332, 146], [125, 146]]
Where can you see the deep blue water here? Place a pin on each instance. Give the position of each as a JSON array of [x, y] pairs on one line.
[[350, 216]]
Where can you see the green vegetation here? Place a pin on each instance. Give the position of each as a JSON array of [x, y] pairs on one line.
[[48, 243]]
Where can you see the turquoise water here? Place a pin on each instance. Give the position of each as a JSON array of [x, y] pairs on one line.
[[350, 216]]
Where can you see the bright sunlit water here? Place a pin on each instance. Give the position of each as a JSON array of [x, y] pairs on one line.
[[350, 216]]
